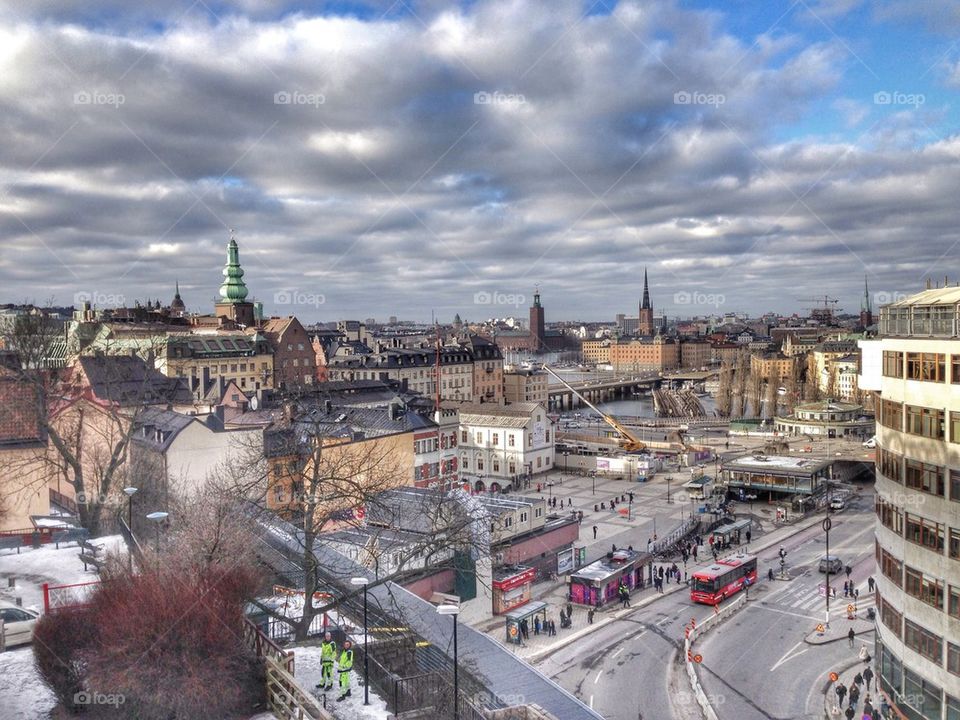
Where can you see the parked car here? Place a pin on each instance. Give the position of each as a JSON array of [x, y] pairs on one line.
[[871, 443], [838, 504], [18, 623], [830, 564]]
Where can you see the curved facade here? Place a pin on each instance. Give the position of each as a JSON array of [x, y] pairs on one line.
[[918, 526], [827, 418]]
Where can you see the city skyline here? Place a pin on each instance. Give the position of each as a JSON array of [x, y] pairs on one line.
[[432, 151]]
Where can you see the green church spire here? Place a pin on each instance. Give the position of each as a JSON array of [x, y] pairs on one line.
[[233, 289]]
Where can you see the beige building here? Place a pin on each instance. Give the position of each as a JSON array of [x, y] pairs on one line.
[[915, 366], [520, 385], [596, 352], [246, 359], [695, 353], [658, 353], [772, 365]]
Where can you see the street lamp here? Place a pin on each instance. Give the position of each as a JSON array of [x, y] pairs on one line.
[[565, 453], [157, 517], [130, 492], [453, 610], [550, 489], [366, 650], [669, 501], [826, 529]]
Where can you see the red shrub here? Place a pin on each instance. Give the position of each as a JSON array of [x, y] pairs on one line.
[[61, 641], [170, 643]]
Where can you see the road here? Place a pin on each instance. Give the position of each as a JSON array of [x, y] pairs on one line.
[[757, 665], [752, 662]]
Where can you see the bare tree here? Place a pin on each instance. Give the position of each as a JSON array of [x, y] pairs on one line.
[[756, 392], [740, 378], [87, 429], [771, 395], [725, 389], [811, 379]]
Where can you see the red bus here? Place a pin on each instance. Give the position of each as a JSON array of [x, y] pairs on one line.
[[723, 579]]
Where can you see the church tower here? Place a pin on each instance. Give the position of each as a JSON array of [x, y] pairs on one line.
[[866, 306], [233, 292], [537, 332], [645, 318]]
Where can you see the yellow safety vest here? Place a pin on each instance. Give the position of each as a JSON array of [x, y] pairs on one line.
[[346, 660], [328, 651]]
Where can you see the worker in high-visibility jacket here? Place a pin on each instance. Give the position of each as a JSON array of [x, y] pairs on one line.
[[344, 666], [328, 655]]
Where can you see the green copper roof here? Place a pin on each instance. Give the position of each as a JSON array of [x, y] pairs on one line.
[[233, 289]]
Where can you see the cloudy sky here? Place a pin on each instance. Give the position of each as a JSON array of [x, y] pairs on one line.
[[397, 158]]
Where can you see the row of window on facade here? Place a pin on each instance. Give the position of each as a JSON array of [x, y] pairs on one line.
[[916, 637], [480, 464], [919, 530], [924, 366], [931, 590], [495, 438], [926, 477], [917, 420], [916, 697]]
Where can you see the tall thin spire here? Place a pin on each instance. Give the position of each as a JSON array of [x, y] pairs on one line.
[[645, 305], [866, 304]]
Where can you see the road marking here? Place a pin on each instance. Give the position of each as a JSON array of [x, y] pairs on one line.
[[597, 678], [591, 702], [787, 655], [786, 612], [618, 652]]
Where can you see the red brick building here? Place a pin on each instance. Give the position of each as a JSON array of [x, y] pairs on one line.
[[294, 357]]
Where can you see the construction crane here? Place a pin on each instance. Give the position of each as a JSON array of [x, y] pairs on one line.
[[822, 312], [628, 441]]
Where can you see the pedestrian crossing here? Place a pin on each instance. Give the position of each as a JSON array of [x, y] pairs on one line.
[[803, 598]]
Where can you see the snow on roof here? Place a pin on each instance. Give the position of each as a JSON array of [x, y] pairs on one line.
[[777, 462]]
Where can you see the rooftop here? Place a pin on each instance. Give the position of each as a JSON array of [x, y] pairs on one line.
[[783, 463]]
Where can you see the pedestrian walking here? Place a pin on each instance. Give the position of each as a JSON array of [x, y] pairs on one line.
[[536, 626], [868, 707], [856, 594], [841, 691], [590, 616], [694, 553], [867, 677], [525, 629], [649, 543], [594, 532], [749, 535], [870, 583], [850, 636], [849, 712], [344, 666], [848, 570], [858, 679], [553, 627], [846, 589], [854, 694]]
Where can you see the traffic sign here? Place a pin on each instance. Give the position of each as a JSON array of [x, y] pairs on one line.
[[834, 677], [698, 658], [850, 608], [820, 628], [826, 524]]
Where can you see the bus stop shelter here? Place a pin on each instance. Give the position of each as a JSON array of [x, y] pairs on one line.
[[529, 611], [731, 533], [597, 583]]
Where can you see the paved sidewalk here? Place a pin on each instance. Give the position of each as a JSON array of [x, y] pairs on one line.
[[555, 595], [847, 672]]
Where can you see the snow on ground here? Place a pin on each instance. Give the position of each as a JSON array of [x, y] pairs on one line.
[[31, 568], [308, 671], [23, 696]]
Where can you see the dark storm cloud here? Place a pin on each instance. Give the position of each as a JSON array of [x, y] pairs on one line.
[[401, 165]]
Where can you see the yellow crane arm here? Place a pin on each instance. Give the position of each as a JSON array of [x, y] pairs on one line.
[[629, 441]]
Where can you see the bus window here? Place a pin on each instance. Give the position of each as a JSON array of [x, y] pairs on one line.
[[704, 585]]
